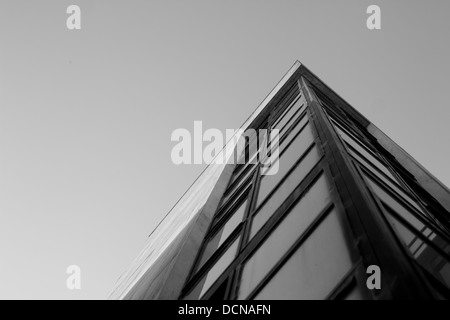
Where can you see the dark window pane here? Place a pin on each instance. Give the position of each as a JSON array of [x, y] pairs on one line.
[[355, 294], [292, 134], [243, 185], [219, 294], [286, 162], [243, 178], [247, 146], [284, 236], [283, 142], [215, 272], [244, 167], [235, 184], [426, 256], [367, 153], [285, 189], [350, 134], [387, 198], [297, 108], [414, 244], [289, 100], [222, 235], [371, 165], [315, 268], [293, 120]]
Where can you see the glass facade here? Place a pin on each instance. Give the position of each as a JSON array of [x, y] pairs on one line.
[[315, 268], [340, 202], [286, 224], [295, 238], [284, 236]]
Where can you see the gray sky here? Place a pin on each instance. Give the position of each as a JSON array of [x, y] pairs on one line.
[[86, 116]]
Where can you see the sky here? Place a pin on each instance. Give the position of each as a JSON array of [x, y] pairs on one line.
[[86, 116]]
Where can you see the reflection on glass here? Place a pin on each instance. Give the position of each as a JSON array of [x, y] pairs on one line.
[[284, 236], [285, 189], [294, 119], [355, 294], [292, 134], [316, 267], [215, 272], [348, 132], [286, 162], [296, 109], [285, 141], [401, 210], [251, 146], [371, 166], [245, 182], [382, 194], [425, 255], [222, 235], [368, 154], [219, 293], [244, 167], [285, 115]]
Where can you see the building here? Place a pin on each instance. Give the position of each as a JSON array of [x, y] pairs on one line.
[[346, 198]]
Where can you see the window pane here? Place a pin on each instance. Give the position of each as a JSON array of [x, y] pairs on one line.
[[215, 272], [233, 202], [368, 154], [243, 178], [403, 232], [294, 105], [246, 181], [315, 269], [355, 294], [299, 105], [222, 235], [293, 133], [219, 294], [414, 244], [294, 119], [243, 167], [426, 256], [232, 223], [288, 100], [284, 236], [286, 162], [285, 189], [349, 133], [386, 197], [281, 115], [370, 165], [372, 159], [251, 146]]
